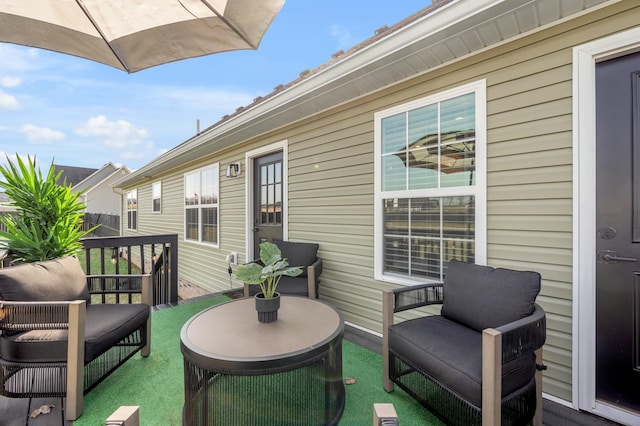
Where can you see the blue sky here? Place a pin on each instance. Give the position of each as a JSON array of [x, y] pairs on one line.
[[81, 113]]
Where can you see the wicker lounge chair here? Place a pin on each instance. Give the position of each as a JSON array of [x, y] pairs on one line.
[[56, 341], [297, 254], [480, 360]]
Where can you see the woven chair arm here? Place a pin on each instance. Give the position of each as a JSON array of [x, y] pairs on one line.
[[524, 335], [415, 296], [24, 316]]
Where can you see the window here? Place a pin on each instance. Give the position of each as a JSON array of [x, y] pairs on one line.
[[156, 197], [132, 209], [201, 205], [430, 185]]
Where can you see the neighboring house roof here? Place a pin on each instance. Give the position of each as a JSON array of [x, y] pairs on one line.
[[99, 176], [440, 34], [96, 177], [73, 175]]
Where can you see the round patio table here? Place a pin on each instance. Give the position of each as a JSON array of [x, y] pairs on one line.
[[240, 371]]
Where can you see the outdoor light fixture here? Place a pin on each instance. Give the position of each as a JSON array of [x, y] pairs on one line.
[[233, 170], [114, 255]]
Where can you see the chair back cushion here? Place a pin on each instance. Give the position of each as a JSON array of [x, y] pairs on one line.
[[298, 254], [51, 280], [483, 297]]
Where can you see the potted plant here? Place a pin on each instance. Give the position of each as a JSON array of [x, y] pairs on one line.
[[267, 274], [47, 222]]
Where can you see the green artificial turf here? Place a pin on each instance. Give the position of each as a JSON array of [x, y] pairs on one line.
[[156, 383]]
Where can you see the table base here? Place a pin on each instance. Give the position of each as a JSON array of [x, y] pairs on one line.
[[312, 394]]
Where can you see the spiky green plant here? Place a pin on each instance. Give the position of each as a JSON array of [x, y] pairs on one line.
[[47, 222], [267, 276]]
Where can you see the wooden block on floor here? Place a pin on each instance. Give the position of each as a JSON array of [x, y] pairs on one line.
[[384, 412], [125, 416]]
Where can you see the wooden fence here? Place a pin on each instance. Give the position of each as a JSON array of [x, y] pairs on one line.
[[109, 224]]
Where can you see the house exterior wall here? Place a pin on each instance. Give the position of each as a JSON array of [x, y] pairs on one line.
[[331, 188], [101, 198]]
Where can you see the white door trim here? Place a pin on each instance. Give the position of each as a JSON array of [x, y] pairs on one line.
[[585, 58], [249, 157]]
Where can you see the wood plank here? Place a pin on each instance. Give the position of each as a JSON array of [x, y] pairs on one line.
[[15, 412]]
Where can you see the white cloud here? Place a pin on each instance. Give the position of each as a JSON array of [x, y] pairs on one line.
[[345, 39], [8, 101], [18, 58], [129, 142], [8, 81], [44, 166], [41, 134]]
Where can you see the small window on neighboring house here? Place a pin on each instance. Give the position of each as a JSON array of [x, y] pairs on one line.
[[156, 197], [132, 209], [201, 205], [430, 185]]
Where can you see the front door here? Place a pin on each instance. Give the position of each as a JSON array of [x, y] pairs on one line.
[[267, 201], [618, 232]]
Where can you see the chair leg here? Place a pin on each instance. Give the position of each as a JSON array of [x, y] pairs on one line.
[[491, 377], [311, 282], [537, 417], [75, 359], [387, 321]]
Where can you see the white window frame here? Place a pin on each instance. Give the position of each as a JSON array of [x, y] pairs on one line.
[[216, 174], [132, 193], [478, 190], [156, 196]]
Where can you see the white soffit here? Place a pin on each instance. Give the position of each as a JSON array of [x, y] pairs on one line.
[[453, 31]]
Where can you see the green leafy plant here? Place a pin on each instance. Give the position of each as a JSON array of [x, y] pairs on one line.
[[267, 275], [47, 222]]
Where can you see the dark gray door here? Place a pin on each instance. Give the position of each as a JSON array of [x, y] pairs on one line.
[[267, 189], [618, 232]]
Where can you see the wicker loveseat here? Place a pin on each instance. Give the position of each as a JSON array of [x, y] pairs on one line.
[[480, 360], [300, 254], [62, 333]]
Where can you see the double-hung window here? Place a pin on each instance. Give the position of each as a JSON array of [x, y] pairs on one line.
[[132, 209], [201, 205], [156, 197], [430, 195]]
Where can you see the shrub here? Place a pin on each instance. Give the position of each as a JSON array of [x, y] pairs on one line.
[[48, 221]]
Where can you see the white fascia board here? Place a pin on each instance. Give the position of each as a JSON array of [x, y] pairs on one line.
[[424, 33]]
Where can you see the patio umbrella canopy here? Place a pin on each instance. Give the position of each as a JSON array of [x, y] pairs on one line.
[[134, 35]]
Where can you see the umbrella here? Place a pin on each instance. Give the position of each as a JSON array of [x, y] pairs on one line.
[[132, 35]]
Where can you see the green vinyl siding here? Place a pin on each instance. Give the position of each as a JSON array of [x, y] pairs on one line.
[[331, 188]]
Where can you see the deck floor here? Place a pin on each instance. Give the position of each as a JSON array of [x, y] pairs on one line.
[[15, 412]]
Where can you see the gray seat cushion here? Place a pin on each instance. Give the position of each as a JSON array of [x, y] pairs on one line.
[[484, 297], [452, 354], [48, 281], [105, 326]]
